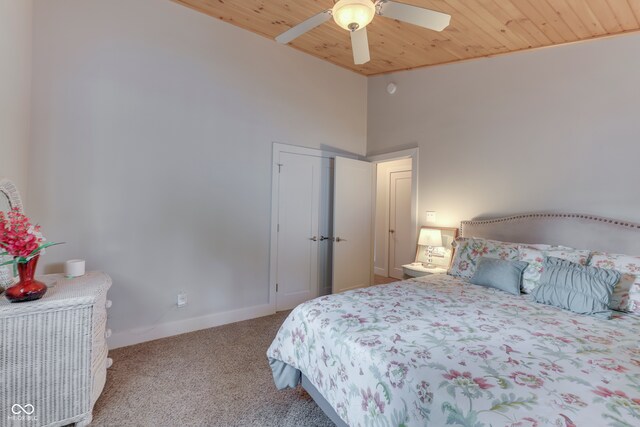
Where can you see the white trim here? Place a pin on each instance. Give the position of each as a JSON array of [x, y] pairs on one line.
[[275, 188], [413, 154], [164, 330], [395, 155]]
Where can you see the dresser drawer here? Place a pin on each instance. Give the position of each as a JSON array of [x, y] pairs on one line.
[[63, 335]]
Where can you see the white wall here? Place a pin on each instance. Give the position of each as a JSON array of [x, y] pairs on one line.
[[551, 130], [15, 89], [381, 244], [151, 152]]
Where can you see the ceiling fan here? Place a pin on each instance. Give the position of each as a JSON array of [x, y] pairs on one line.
[[355, 15]]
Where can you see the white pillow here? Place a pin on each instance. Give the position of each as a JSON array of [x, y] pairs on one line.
[[535, 255], [626, 294], [470, 249]]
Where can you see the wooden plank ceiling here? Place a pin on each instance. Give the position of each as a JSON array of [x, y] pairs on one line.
[[479, 28]]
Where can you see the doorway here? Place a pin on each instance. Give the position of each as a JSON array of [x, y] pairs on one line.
[[395, 214], [305, 210], [321, 224]]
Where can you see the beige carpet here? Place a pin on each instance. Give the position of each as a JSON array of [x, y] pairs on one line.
[[214, 377]]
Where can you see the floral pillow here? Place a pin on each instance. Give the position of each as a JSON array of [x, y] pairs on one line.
[[626, 294], [535, 255], [470, 249]]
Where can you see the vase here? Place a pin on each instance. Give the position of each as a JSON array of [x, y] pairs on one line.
[[27, 289]]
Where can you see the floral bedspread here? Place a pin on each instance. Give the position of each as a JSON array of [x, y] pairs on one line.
[[444, 352]]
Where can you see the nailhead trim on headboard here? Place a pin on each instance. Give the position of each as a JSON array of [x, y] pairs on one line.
[[548, 215]]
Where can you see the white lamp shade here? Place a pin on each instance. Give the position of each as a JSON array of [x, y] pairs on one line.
[[430, 237], [353, 14]]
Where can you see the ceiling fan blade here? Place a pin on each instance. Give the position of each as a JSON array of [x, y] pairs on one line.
[[360, 46], [303, 27], [415, 15]]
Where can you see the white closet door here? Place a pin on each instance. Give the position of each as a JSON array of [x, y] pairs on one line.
[[401, 249], [325, 226], [352, 224], [299, 205]]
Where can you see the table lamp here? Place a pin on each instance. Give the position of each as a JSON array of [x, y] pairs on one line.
[[430, 237]]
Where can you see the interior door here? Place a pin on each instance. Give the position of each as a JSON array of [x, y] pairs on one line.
[[401, 248], [352, 224], [325, 226], [299, 206]]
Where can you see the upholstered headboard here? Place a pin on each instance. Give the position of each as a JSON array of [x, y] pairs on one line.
[[574, 230]]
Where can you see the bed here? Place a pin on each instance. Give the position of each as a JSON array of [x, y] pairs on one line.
[[440, 351]]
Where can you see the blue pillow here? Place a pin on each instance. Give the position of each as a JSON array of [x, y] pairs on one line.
[[500, 274], [574, 287]]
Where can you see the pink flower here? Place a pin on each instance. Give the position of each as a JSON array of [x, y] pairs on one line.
[[512, 361], [598, 340], [606, 264], [446, 328], [479, 250], [634, 268], [297, 337], [397, 373], [552, 367], [353, 320], [454, 375], [392, 319], [424, 392], [370, 341], [607, 364], [572, 399], [530, 381], [480, 351], [551, 337], [372, 403], [605, 392], [18, 237], [525, 422], [423, 354]]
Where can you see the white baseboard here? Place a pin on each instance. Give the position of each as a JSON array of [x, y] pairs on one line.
[[163, 330], [380, 271]]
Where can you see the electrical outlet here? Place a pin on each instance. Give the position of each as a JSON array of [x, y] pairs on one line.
[[431, 216], [182, 299]]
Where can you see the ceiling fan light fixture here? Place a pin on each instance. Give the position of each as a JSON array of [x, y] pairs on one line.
[[353, 15]]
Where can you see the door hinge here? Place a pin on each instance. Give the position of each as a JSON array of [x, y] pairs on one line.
[[280, 167], [276, 287], [278, 229]]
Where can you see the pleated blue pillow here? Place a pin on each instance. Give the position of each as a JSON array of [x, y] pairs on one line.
[[574, 287]]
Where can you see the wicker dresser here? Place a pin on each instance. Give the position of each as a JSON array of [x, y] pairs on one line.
[[53, 353]]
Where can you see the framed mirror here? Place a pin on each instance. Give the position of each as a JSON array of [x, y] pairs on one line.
[[9, 199]]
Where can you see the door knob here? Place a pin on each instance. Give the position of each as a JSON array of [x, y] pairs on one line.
[[392, 231], [314, 239], [338, 239]]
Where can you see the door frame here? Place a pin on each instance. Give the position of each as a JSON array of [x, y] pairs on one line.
[[278, 148], [411, 153]]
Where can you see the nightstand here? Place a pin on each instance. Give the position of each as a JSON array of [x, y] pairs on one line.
[[418, 270], [53, 351]]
